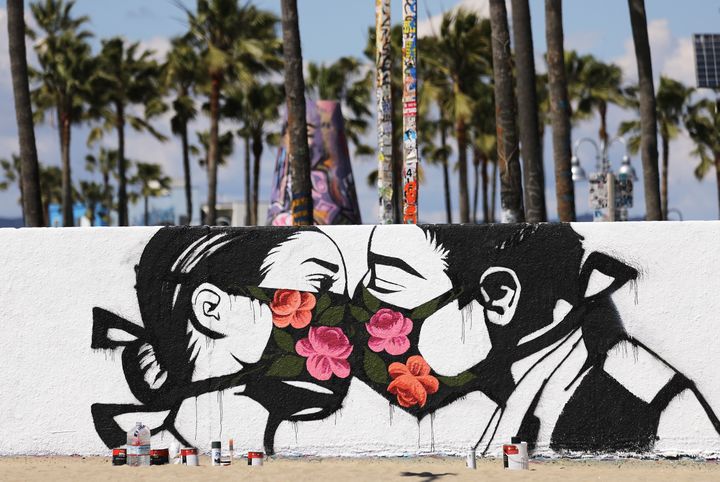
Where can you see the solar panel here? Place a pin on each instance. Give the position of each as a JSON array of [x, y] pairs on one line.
[[707, 59]]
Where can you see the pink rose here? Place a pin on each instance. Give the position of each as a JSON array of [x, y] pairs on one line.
[[326, 349], [388, 331]]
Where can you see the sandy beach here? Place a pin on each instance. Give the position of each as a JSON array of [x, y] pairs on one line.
[[425, 469]]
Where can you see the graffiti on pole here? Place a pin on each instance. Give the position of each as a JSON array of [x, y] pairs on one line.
[[410, 149], [383, 66]]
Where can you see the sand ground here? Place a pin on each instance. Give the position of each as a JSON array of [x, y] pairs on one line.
[[425, 469]]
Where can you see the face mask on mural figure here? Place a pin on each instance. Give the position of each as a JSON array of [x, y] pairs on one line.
[[522, 314]]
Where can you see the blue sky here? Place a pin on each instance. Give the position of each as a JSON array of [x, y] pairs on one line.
[[332, 28]]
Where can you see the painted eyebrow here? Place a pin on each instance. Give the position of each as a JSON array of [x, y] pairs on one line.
[[375, 258], [325, 264]]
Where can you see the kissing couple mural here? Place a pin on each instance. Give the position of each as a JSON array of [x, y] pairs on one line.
[[424, 316]]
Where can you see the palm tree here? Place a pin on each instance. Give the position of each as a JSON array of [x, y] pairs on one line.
[[511, 198], [672, 104], [648, 116], [28, 175], [126, 77], [65, 67], [233, 44], [462, 57], [106, 164], [180, 73], [344, 81], [484, 144], [50, 189], [152, 183], [298, 152], [528, 106], [703, 124], [559, 110], [12, 173], [92, 194], [598, 85]]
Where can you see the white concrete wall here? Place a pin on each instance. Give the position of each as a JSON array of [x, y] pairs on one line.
[[50, 376]]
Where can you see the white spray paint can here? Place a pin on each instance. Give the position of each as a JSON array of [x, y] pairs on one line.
[[215, 452], [470, 459], [515, 455]]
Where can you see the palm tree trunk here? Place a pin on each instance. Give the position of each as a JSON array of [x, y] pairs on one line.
[[664, 179], [446, 173], [248, 194], [511, 196], [484, 173], [122, 175], [257, 153], [29, 169], [186, 171], [648, 114], [494, 191], [528, 122], [67, 199], [213, 152], [476, 185], [302, 204], [559, 111], [461, 136], [603, 133], [146, 212]]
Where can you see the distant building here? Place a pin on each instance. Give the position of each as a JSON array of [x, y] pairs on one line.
[[233, 213], [79, 216]]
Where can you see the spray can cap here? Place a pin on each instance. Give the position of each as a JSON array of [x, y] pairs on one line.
[[515, 440], [215, 444]]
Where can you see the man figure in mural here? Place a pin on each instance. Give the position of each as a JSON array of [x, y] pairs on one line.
[[334, 197], [231, 310], [535, 329]]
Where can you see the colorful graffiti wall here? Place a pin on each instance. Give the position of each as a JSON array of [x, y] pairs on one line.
[[364, 340], [334, 196]]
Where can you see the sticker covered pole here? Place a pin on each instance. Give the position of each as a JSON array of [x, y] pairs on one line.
[[383, 65], [410, 150]]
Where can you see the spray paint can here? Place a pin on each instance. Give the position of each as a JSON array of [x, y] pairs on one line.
[[119, 456], [470, 459], [159, 456], [215, 452], [515, 455], [255, 459], [189, 456]]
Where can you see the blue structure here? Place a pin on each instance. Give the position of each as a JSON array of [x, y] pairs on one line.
[[79, 210]]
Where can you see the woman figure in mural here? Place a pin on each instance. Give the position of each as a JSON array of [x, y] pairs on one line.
[[526, 317], [231, 310], [334, 196]]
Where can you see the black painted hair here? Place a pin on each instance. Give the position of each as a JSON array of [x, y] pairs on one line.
[[546, 258], [175, 262]]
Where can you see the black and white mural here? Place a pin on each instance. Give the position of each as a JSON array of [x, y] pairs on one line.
[[424, 317]]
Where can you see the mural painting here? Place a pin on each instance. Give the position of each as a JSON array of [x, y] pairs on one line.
[[520, 313], [334, 196]]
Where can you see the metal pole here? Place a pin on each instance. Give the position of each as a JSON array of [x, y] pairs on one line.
[[610, 179], [383, 89], [410, 150]]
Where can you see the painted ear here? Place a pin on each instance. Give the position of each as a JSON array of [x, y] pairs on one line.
[[208, 303], [500, 292], [602, 275]]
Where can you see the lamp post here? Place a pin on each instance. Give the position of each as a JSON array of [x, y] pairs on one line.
[[606, 188]]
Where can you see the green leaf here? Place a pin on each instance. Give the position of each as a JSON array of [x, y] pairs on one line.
[[372, 303], [375, 367], [288, 366], [423, 311], [359, 314], [332, 316], [458, 380], [284, 340], [258, 293], [322, 303]]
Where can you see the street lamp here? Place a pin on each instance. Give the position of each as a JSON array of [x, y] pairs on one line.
[[604, 184]]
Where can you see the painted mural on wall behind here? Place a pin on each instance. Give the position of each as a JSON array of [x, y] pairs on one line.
[[334, 196], [520, 313]]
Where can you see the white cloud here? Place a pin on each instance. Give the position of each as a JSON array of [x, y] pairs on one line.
[[671, 56], [159, 45], [432, 25]]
